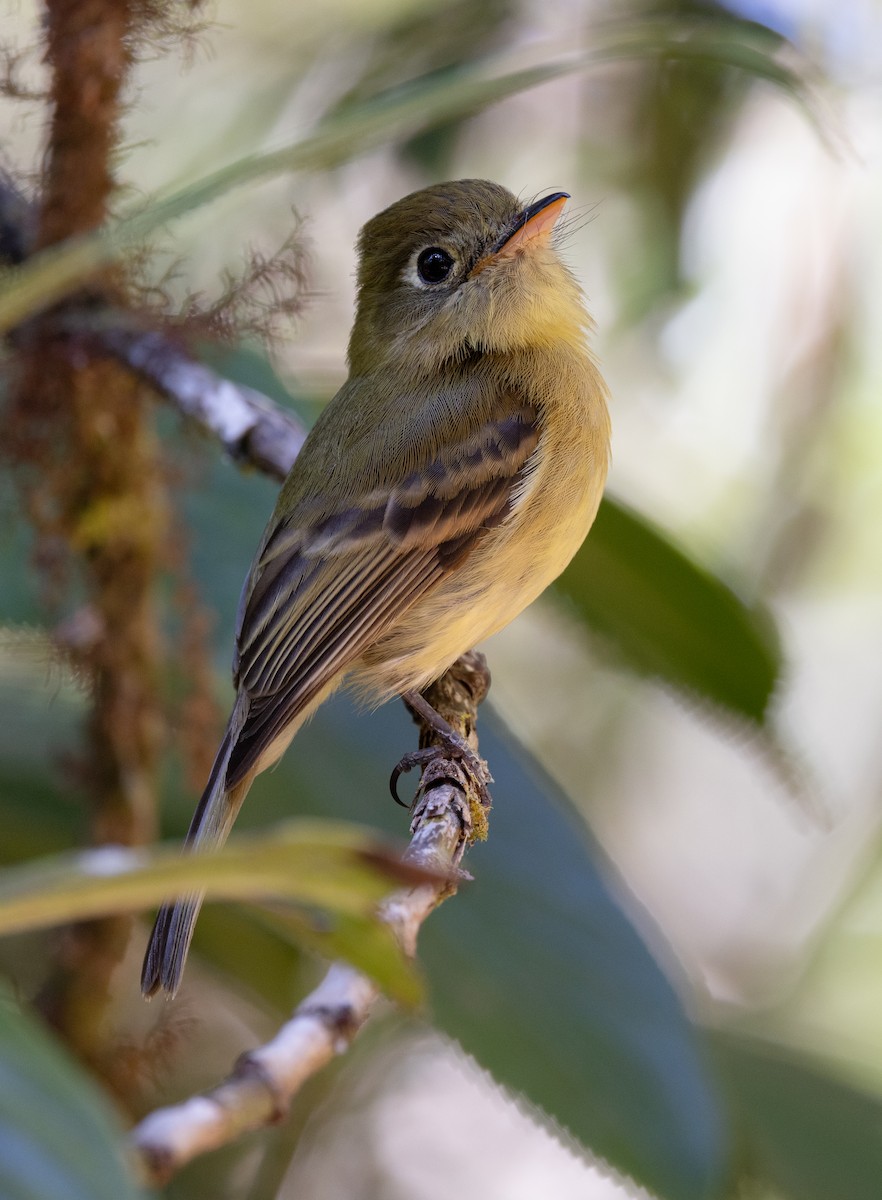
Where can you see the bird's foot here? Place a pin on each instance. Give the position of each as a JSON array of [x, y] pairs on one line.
[[448, 745]]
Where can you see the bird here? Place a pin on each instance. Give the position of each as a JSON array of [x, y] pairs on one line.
[[451, 479]]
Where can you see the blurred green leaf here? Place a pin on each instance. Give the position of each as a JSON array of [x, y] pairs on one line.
[[307, 862], [423, 104], [50, 274], [41, 709], [535, 967], [248, 365], [19, 589], [58, 1136], [670, 618], [334, 875], [538, 972], [807, 1134]]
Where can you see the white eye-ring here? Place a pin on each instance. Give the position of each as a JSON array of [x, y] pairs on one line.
[[433, 266]]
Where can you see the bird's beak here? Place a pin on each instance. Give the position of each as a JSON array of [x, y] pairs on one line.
[[533, 225]]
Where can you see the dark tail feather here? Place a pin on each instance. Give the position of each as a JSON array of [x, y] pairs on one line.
[[169, 945], [173, 931]]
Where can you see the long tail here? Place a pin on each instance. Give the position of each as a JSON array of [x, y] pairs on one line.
[[170, 940]]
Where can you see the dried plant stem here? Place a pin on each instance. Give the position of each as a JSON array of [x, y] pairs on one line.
[[81, 441]]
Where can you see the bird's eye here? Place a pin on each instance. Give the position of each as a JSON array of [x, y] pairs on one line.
[[434, 265]]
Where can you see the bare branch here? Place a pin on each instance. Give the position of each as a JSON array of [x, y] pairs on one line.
[[249, 426]]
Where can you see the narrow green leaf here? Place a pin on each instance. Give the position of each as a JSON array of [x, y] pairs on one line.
[[424, 104], [333, 874], [307, 862], [808, 1135], [58, 1136], [49, 275], [670, 618]]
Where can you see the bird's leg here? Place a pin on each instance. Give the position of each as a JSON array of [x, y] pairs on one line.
[[460, 691], [446, 744]]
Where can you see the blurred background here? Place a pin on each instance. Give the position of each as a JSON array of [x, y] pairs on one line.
[[726, 230]]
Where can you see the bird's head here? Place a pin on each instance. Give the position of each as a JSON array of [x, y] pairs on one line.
[[457, 269]]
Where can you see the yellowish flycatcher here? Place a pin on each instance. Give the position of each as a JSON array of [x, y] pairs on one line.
[[449, 481]]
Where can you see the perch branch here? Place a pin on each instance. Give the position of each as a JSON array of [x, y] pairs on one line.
[[262, 1085]]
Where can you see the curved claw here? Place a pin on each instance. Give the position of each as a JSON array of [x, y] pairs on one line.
[[456, 747], [407, 763], [397, 772]]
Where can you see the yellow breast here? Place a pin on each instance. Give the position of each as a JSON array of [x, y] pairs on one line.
[[517, 560]]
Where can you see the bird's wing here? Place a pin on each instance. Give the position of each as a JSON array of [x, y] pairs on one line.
[[323, 591]]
